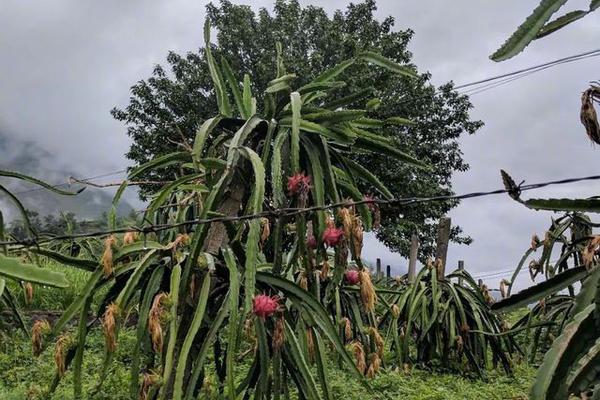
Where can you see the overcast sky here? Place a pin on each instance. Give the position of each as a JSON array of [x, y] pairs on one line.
[[65, 64]]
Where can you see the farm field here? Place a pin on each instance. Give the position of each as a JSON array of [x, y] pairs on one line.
[[289, 199]]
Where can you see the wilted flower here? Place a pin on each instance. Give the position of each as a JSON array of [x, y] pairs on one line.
[[28, 289], [535, 242], [298, 184], [459, 344], [332, 236], [155, 317], [109, 325], [504, 284], [374, 365], [266, 230], [303, 281], [149, 380], [265, 306], [377, 339], [346, 216], [590, 250], [130, 237], [345, 322], [107, 255], [359, 356], [60, 352], [324, 270], [367, 290], [395, 310], [40, 328], [279, 333], [588, 115], [357, 236], [351, 277]]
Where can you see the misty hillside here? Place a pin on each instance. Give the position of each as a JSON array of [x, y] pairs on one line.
[[28, 158]]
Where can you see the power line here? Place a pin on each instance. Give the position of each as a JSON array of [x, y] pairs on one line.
[[293, 211], [540, 67]]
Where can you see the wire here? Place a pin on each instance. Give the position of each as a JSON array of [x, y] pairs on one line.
[[288, 212], [540, 67]]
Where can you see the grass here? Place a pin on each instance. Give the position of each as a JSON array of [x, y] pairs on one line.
[[25, 377]]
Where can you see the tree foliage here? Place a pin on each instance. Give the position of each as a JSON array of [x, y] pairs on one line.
[[165, 108]]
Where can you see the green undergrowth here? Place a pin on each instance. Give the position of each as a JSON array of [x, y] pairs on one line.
[[25, 377]]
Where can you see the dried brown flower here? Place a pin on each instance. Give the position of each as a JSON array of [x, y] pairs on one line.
[[130, 237], [279, 333], [155, 319], [588, 115], [28, 290], [535, 242], [266, 230], [377, 339], [324, 270], [374, 365], [590, 250], [149, 380], [107, 255], [359, 356], [109, 326], [345, 322], [60, 353], [368, 295], [40, 328]]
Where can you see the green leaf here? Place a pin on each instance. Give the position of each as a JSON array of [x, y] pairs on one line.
[[202, 134], [21, 209], [190, 336], [399, 121], [253, 240], [277, 170], [12, 268], [581, 205], [334, 71], [232, 329], [30, 179], [203, 353], [141, 330], [561, 22], [249, 101], [546, 377], [363, 173], [235, 89], [528, 30], [541, 290], [334, 117], [296, 104], [173, 325], [87, 265], [378, 59], [375, 146], [222, 99]]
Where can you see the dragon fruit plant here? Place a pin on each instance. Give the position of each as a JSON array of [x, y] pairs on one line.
[[210, 296]]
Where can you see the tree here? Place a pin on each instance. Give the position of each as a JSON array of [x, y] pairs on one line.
[[165, 108]]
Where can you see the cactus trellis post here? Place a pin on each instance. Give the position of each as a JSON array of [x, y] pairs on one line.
[[443, 238], [412, 262]]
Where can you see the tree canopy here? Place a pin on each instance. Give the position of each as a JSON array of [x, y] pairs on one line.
[[164, 110]]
